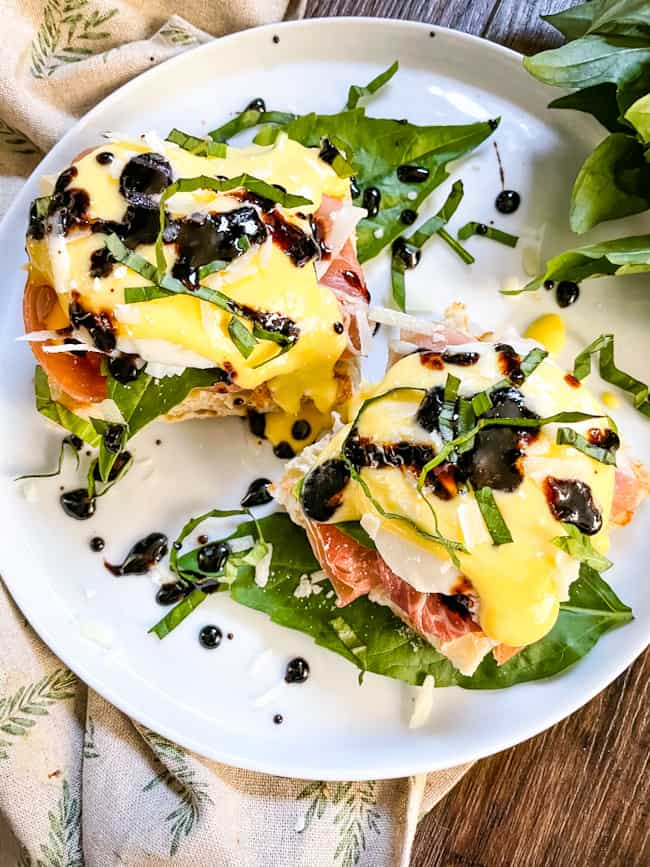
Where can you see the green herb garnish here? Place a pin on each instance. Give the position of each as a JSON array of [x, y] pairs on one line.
[[60, 414], [200, 147], [66, 441], [107, 458], [567, 436], [603, 346], [249, 118], [356, 92], [579, 546], [485, 231], [494, 521]]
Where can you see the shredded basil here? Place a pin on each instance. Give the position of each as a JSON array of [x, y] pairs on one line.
[[494, 521], [603, 346], [241, 336], [448, 411], [137, 294], [466, 421], [60, 414], [107, 458], [66, 441], [567, 436], [357, 92], [532, 360], [178, 613], [200, 147], [577, 545], [190, 526], [248, 119], [481, 403], [483, 230]]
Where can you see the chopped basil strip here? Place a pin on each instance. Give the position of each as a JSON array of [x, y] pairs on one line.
[[497, 527], [178, 613], [41, 206], [241, 336], [60, 414], [355, 531], [604, 347], [64, 442], [415, 242], [339, 163], [248, 119], [446, 417], [131, 259], [191, 525], [212, 268], [532, 360], [567, 436], [137, 294], [481, 229], [357, 92], [481, 403], [466, 421], [577, 545], [201, 147], [448, 448]]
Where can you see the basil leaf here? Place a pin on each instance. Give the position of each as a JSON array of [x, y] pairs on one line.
[[356, 92], [599, 101], [60, 414], [178, 613], [611, 183], [531, 361], [201, 147], [579, 546], [460, 440], [575, 21], [376, 147], [603, 346], [481, 229], [448, 410], [191, 525], [243, 339], [494, 521], [371, 637], [621, 256], [124, 468], [355, 531], [131, 259], [107, 458], [212, 268], [567, 436], [466, 421], [481, 403], [146, 398], [272, 192], [137, 294], [248, 119], [66, 441]]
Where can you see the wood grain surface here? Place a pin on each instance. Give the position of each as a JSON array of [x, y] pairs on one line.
[[579, 794]]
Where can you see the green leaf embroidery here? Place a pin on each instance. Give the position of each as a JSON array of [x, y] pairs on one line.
[[176, 35], [180, 777], [90, 750], [69, 32], [13, 140], [63, 847], [355, 814], [18, 712]]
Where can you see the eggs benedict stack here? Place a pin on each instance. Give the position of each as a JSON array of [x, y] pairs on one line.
[[153, 255], [468, 487]]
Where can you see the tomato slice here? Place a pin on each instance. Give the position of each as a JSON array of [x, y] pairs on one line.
[[78, 376]]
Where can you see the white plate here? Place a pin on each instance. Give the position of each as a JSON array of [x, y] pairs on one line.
[[206, 700]]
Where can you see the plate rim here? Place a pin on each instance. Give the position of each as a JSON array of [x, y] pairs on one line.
[[396, 767]]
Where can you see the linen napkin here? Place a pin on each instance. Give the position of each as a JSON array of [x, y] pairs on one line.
[[81, 783]]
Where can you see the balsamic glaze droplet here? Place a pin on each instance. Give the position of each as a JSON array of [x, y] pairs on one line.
[[567, 293], [104, 158], [371, 201], [549, 284], [120, 461], [97, 544], [408, 216], [170, 594], [328, 152], [257, 104], [142, 557], [125, 368], [323, 487], [297, 670], [257, 423], [355, 189], [101, 262], [571, 501], [409, 254], [278, 719], [212, 557], [77, 504], [73, 440], [409, 174], [112, 438], [338, 328], [257, 494], [283, 450], [202, 539], [143, 176], [210, 636], [300, 429], [507, 201]]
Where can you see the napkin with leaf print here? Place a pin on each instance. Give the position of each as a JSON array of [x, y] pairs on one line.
[[80, 783]]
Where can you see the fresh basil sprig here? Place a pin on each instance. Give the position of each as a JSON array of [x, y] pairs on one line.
[[603, 347], [579, 546], [485, 231], [200, 147], [567, 436], [247, 119], [357, 92], [491, 514]]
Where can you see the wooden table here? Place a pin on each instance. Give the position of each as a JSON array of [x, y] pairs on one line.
[[578, 795]]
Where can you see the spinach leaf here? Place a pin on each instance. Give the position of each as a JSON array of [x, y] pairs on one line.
[[638, 114], [376, 147], [621, 256], [598, 100], [575, 21], [614, 182], [146, 398], [60, 414], [374, 639]]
